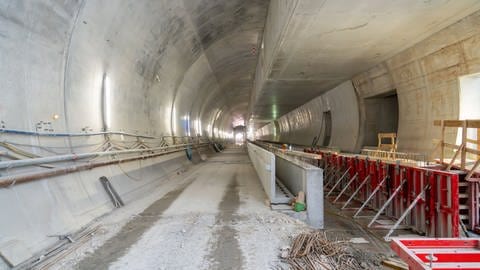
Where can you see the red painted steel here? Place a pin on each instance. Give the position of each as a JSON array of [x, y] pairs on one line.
[[474, 204], [438, 253], [435, 215]]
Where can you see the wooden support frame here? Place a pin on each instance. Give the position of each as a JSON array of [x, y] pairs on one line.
[[392, 146], [462, 149]]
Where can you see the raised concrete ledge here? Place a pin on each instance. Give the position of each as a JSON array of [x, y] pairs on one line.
[[264, 163], [300, 176], [295, 175]]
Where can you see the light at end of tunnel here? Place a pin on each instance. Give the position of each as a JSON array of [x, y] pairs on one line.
[[239, 138], [238, 122]]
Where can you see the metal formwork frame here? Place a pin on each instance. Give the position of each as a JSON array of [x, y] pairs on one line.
[[422, 199], [438, 253]]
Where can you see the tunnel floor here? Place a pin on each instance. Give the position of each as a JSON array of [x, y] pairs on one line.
[[214, 216]]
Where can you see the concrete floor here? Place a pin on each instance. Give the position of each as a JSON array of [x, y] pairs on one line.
[[212, 217], [216, 219]]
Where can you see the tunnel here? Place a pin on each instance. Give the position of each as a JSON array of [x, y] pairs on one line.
[[217, 134]]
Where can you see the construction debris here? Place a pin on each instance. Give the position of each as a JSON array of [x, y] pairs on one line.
[[315, 251]]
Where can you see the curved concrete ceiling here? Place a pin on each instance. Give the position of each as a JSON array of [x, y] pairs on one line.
[[311, 46], [165, 61], [186, 67]]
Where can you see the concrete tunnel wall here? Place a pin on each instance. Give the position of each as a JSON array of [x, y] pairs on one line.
[[174, 71], [146, 67], [425, 77], [64, 204], [159, 67]]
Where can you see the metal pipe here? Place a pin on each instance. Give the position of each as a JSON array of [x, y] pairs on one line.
[[387, 203], [72, 157], [338, 181], [356, 191], [345, 188], [7, 181], [34, 133], [377, 188]]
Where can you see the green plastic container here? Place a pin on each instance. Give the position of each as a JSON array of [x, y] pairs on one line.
[[299, 207]]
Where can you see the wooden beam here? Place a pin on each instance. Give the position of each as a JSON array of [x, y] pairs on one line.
[[472, 171], [474, 123], [395, 264], [449, 123], [387, 135], [472, 140], [472, 151], [455, 157], [451, 145]]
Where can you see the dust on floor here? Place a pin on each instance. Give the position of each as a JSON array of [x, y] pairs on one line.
[[214, 218]]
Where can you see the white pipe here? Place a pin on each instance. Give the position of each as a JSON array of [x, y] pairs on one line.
[[72, 157]]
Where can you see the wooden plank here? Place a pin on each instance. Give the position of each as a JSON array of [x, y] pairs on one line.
[[384, 135], [451, 145], [474, 123], [395, 264], [453, 123], [455, 157], [472, 170], [472, 141], [472, 151]]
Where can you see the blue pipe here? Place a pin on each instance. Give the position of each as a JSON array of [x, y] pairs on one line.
[[33, 133]]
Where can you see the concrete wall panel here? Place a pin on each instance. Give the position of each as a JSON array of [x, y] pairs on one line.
[[264, 163], [62, 205], [301, 125], [426, 79]]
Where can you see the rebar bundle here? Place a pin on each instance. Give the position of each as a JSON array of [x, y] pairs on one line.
[[314, 251]]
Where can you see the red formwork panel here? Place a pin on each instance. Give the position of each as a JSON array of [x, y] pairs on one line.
[[438, 253], [416, 183], [362, 171], [445, 203], [435, 214]]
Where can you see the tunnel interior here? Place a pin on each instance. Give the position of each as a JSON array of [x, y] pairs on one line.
[[148, 94]]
